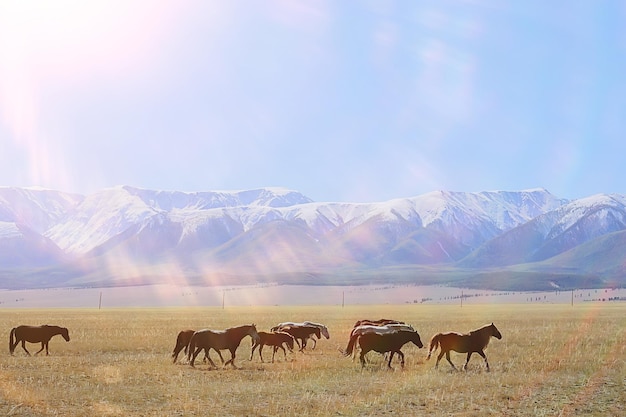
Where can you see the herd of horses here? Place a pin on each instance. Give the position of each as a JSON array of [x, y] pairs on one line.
[[384, 336]]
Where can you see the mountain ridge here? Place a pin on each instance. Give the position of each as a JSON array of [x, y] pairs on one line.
[[124, 233]]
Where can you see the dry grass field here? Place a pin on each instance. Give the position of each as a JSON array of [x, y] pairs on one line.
[[553, 360]]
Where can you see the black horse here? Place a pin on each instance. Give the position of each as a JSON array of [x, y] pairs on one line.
[[219, 340], [35, 334], [383, 343]]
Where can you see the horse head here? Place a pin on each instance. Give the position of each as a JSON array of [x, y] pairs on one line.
[[65, 333], [415, 338], [253, 333], [290, 341], [325, 332], [495, 332]]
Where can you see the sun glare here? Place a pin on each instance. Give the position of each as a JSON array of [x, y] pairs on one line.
[[59, 45]]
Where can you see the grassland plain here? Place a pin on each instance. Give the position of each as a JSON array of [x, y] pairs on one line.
[[552, 360]]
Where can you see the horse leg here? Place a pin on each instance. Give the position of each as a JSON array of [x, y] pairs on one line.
[[469, 355], [389, 362], [43, 346], [449, 361], [275, 348], [401, 358], [207, 356], [261, 353], [314, 343], [232, 359], [362, 358], [24, 347], [193, 356], [481, 353], [284, 351], [439, 358], [254, 346]]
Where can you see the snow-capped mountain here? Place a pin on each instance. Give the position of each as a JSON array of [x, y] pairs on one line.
[[276, 231], [554, 232]]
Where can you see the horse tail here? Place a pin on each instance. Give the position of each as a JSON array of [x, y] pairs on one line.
[[176, 346], [11, 341], [350, 346], [434, 344]]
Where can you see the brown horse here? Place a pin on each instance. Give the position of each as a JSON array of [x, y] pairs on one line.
[[35, 334], [323, 329], [182, 341], [475, 341], [274, 339], [302, 333], [219, 340], [383, 343]]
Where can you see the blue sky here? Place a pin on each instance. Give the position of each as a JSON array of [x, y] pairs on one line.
[[357, 101]]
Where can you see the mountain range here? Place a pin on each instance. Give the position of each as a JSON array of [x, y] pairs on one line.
[[510, 240]]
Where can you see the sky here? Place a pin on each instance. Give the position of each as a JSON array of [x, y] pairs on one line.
[[355, 101]]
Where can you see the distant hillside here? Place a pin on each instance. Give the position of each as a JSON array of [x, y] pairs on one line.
[[501, 240]]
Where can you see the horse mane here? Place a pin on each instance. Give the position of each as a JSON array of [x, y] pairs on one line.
[[241, 327], [480, 329], [480, 332]]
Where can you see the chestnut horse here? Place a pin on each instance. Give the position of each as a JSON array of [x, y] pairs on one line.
[[274, 339], [323, 329], [474, 341], [219, 340], [383, 343], [182, 341], [302, 333], [35, 334]]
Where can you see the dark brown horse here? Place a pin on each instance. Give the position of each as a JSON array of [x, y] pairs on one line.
[[274, 339], [182, 342], [35, 334], [474, 341], [219, 340], [383, 343], [302, 333]]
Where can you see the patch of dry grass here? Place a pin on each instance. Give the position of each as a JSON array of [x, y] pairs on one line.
[[552, 360]]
